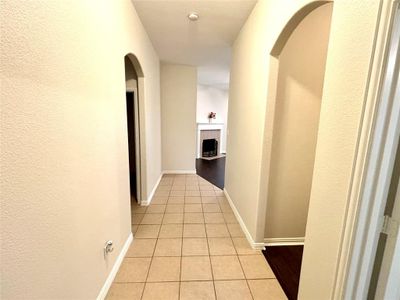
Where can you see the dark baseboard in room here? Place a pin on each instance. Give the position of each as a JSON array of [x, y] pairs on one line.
[[212, 170], [285, 262]]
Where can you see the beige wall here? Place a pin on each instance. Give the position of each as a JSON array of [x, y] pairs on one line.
[[298, 101], [178, 115], [64, 150], [349, 52], [344, 94], [247, 109]]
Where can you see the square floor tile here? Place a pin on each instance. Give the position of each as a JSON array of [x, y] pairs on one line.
[[164, 188], [211, 208], [159, 200], [209, 200], [141, 248], [150, 219], [194, 230], [230, 218], [155, 209], [125, 291], [270, 287], [232, 290], [161, 193], [138, 209], [171, 231], [192, 187], [221, 246], [194, 218], [177, 193], [219, 193], [206, 188], [161, 290], [175, 218], [213, 218], [242, 246], [133, 270], [255, 267], [147, 231], [207, 193], [235, 230], [192, 200], [168, 247], [134, 228], [196, 268], [194, 246], [174, 208], [193, 208], [192, 193], [178, 188], [217, 230], [164, 269], [197, 290], [176, 200], [137, 218], [226, 267]]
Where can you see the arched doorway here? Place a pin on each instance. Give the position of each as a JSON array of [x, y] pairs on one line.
[[295, 93], [133, 83]]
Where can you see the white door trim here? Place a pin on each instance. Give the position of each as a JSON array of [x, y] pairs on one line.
[[378, 138]]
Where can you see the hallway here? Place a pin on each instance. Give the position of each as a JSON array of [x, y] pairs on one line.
[[188, 245]]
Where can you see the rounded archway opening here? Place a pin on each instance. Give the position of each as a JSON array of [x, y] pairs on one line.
[[134, 83]]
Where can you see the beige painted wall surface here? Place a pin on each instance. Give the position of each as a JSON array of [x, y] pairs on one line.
[[247, 108], [346, 78], [178, 117], [64, 150], [298, 102]]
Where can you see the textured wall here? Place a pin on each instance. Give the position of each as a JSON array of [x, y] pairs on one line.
[[64, 152], [178, 115], [298, 102]]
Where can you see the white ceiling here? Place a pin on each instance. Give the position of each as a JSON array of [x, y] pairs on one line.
[[205, 43]]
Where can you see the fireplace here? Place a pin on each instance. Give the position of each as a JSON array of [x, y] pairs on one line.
[[209, 148]]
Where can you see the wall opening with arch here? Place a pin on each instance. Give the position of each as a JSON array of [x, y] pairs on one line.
[[297, 68], [134, 81]]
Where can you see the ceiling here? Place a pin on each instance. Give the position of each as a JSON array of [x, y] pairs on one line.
[[205, 43]]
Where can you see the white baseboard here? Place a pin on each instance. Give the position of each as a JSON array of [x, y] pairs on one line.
[[293, 241], [110, 278], [253, 244], [148, 200], [179, 172]]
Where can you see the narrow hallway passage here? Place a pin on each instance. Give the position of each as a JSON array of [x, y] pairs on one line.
[[188, 245]]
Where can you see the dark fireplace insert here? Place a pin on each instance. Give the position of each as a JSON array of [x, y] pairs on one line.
[[210, 148]]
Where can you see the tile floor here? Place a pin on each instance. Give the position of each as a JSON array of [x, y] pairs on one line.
[[188, 245]]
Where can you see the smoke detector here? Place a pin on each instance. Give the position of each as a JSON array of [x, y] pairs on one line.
[[193, 16]]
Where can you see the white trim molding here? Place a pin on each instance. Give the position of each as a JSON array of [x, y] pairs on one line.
[[110, 278], [253, 244], [290, 241], [148, 200], [179, 172]]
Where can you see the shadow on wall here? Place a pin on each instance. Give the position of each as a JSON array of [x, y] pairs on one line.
[[300, 77]]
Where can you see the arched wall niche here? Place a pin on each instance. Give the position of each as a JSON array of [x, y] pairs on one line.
[[292, 24], [137, 85], [272, 98]]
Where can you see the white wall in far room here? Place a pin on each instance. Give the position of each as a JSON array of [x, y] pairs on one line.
[[212, 99]]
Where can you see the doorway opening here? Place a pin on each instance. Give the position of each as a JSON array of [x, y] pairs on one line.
[[297, 69], [133, 127]]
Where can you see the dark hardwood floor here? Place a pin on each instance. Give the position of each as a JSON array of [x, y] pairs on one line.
[[212, 170], [285, 261]]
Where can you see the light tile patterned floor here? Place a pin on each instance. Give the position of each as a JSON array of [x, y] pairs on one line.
[[188, 245]]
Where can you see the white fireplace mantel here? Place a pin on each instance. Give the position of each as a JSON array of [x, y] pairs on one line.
[[207, 126]]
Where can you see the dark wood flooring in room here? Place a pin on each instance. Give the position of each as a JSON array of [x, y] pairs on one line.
[[212, 170], [285, 261]]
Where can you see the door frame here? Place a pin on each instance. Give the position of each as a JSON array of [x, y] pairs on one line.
[[137, 143], [379, 133]]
